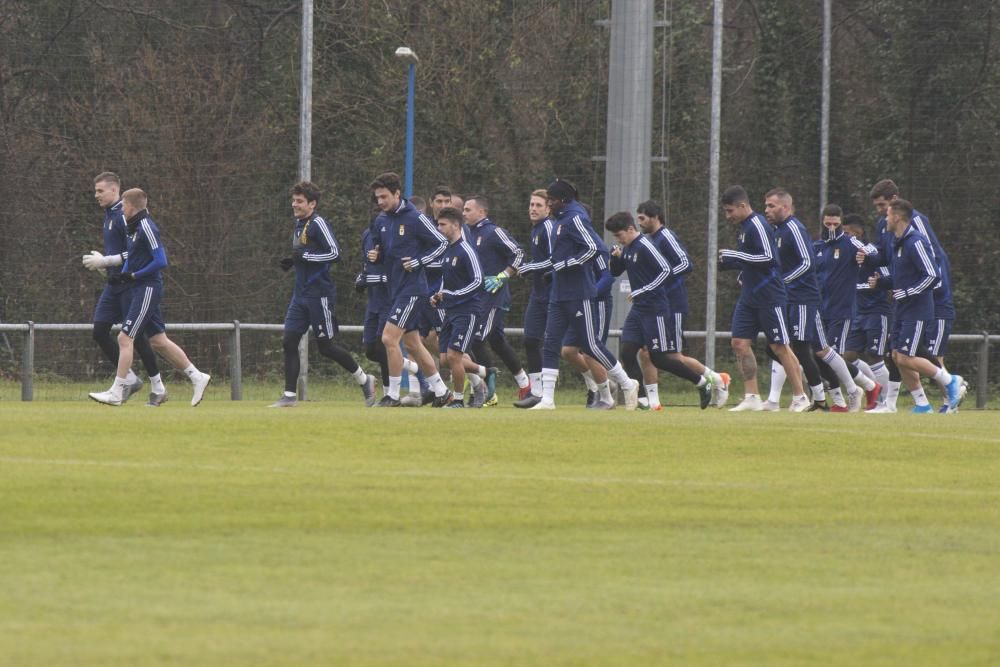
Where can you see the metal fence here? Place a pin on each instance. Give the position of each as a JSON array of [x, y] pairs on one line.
[[235, 328]]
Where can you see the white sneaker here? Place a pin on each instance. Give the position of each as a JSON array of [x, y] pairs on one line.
[[854, 400], [200, 385], [799, 404], [543, 405], [769, 406], [722, 390], [881, 409], [106, 397], [748, 404], [631, 396], [412, 400]]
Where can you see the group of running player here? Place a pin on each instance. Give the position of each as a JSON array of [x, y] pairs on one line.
[[438, 279]]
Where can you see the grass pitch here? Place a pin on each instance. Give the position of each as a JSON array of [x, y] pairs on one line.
[[333, 535]]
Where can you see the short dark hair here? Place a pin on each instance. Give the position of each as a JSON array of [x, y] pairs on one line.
[[651, 209], [441, 190], [832, 211], [902, 206], [109, 176], [780, 193], [481, 201], [855, 220], [619, 222], [886, 189], [450, 213], [735, 194], [389, 180], [308, 190]]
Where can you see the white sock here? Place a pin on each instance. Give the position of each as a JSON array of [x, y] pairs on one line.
[[156, 384], [549, 378], [653, 394], [437, 385], [818, 393], [118, 388], [866, 369], [481, 371], [474, 380], [385, 390], [588, 379], [837, 396], [192, 372], [881, 374], [360, 376], [777, 382], [919, 397], [864, 381], [943, 378], [839, 366], [750, 397], [131, 376], [619, 375], [702, 381], [413, 383], [394, 382], [522, 379], [536, 383], [289, 394], [457, 396], [604, 392], [410, 366], [892, 395]]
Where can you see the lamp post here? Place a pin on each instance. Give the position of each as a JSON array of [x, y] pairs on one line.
[[406, 54]]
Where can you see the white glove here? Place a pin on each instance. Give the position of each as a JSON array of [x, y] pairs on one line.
[[95, 261]]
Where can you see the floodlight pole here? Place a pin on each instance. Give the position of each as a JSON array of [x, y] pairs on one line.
[[305, 153], [407, 54]]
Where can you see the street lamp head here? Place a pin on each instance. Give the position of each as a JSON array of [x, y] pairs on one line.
[[406, 53]]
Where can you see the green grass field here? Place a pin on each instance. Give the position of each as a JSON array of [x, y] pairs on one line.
[[333, 535]]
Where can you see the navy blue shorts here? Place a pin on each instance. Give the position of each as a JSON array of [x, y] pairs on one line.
[[429, 318], [405, 312], [837, 332], [748, 321], [458, 331], [907, 336], [315, 311], [491, 320], [602, 313], [535, 316], [869, 333], [653, 331], [937, 334], [143, 316], [804, 324], [580, 318], [112, 306]]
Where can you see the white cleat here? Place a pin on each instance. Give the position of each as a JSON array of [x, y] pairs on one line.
[[855, 400], [799, 404], [200, 385], [106, 397], [769, 406], [748, 404], [543, 405], [412, 400], [881, 409], [722, 390], [631, 396]]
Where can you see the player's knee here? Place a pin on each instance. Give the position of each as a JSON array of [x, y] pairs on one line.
[[290, 341]]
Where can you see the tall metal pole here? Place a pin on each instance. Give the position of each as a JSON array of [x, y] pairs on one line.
[[411, 84], [824, 125], [630, 115], [305, 94], [305, 153], [713, 186]]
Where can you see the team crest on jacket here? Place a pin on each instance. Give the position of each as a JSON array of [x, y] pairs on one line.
[[454, 261], [402, 230], [836, 253], [479, 240], [779, 241]]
